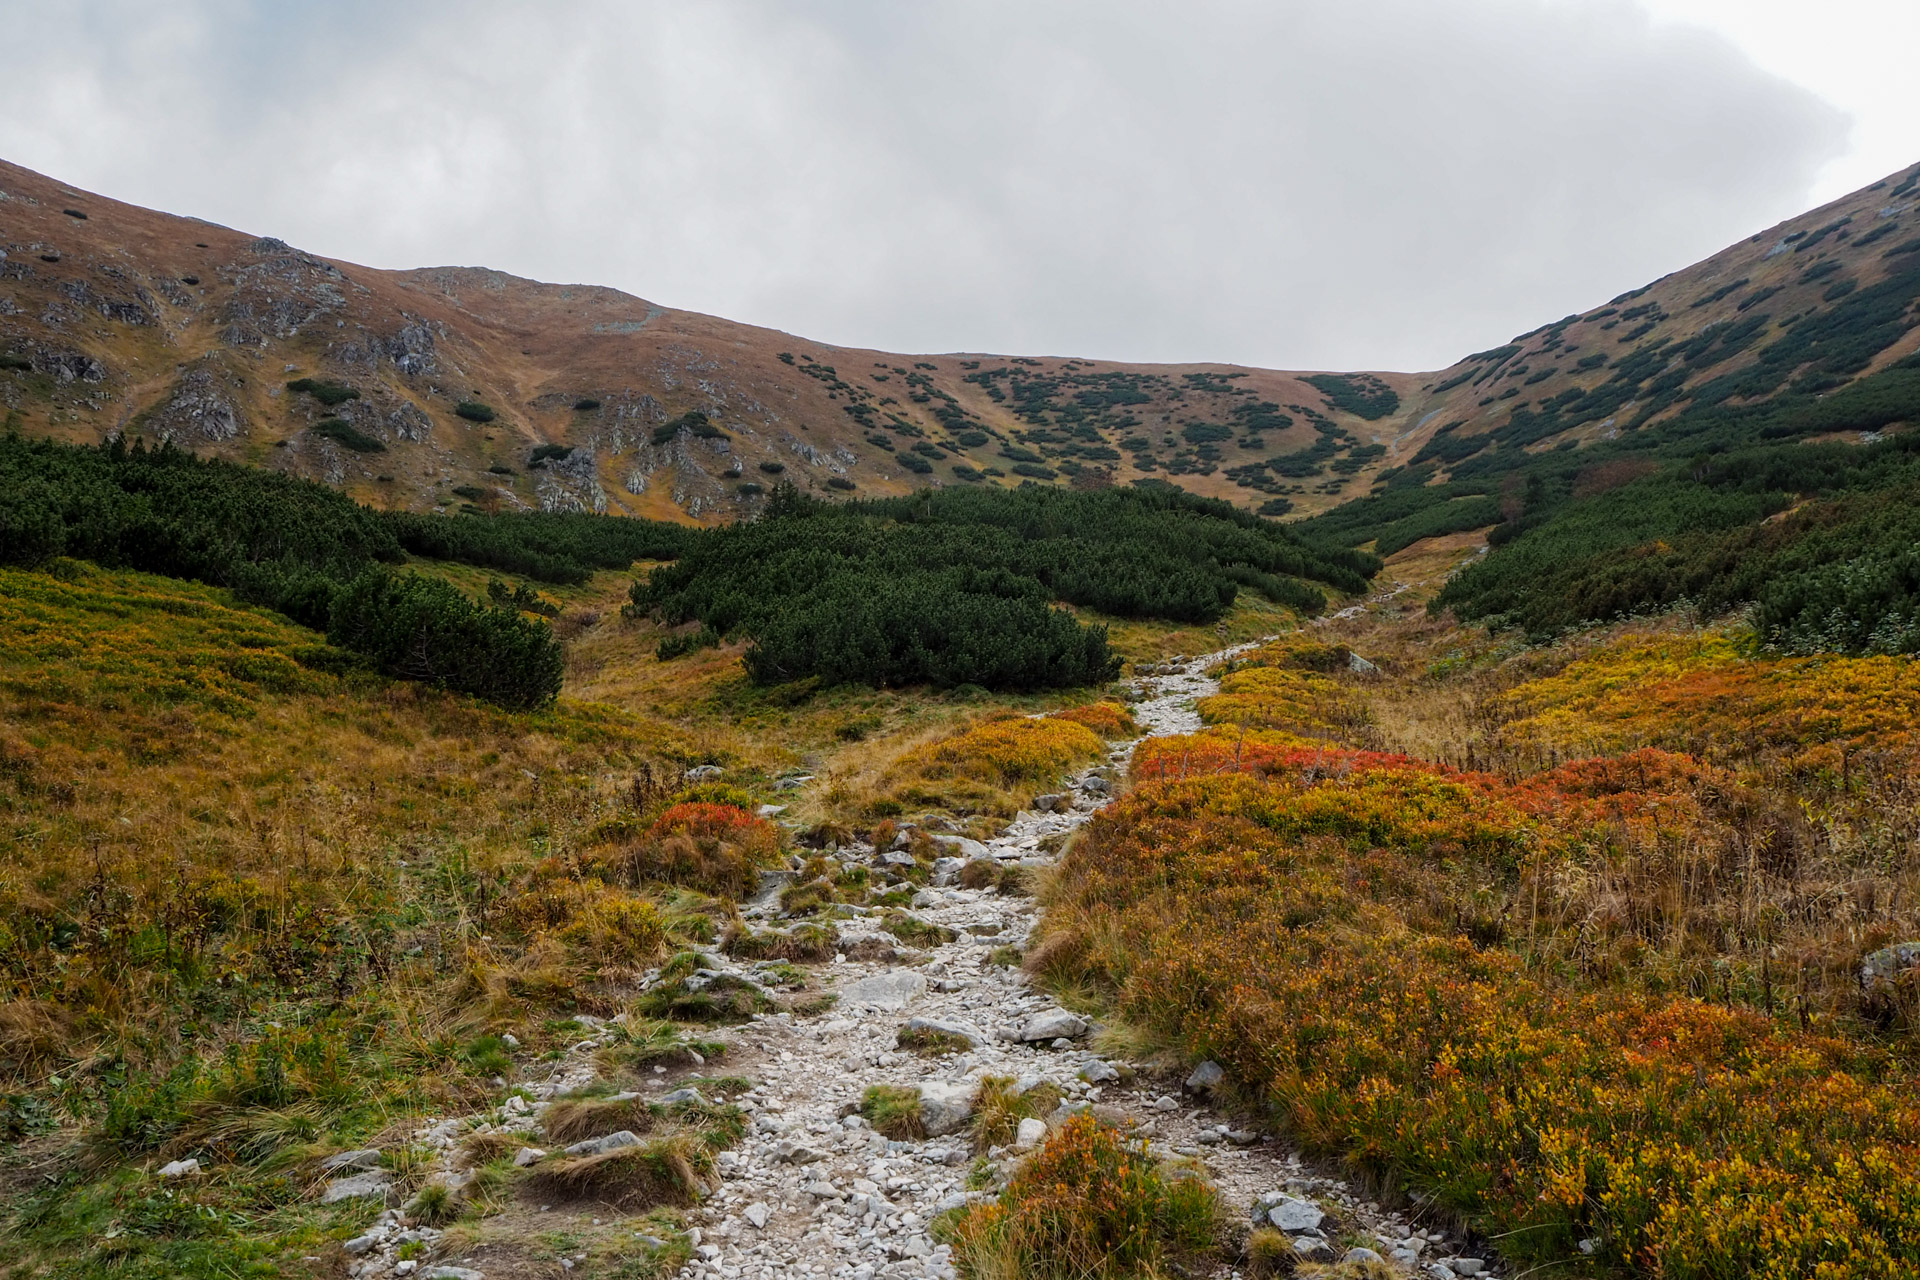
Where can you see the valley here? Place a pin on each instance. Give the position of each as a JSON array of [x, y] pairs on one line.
[[503, 780]]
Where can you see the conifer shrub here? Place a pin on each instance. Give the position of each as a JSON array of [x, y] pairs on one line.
[[343, 432], [327, 393], [423, 629], [475, 411]]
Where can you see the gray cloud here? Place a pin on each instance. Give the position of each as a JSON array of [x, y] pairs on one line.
[[1370, 183]]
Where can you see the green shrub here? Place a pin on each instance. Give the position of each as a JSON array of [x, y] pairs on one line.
[[680, 644], [474, 411], [586, 405], [327, 393], [773, 468], [344, 432], [424, 629], [544, 451]]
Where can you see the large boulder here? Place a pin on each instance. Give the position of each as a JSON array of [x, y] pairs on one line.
[[945, 1107]]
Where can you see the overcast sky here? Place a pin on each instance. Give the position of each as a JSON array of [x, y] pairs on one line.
[[1299, 183]]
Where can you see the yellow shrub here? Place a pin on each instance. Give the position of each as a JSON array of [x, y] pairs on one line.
[[1108, 719], [1006, 752], [1283, 698]]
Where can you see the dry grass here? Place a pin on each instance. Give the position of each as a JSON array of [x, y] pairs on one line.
[[570, 1120], [667, 1169], [893, 1110], [998, 1110]]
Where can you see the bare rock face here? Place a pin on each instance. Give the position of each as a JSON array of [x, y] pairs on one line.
[[198, 410]]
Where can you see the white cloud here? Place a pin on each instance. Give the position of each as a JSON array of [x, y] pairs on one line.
[[1374, 183]]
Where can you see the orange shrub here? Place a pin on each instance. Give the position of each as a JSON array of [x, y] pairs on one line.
[[715, 848], [1702, 694], [1297, 928], [1085, 1206]]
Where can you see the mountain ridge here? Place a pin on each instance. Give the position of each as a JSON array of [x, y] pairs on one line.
[[117, 319]]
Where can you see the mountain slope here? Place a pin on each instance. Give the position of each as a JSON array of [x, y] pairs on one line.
[[1785, 318], [115, 318]]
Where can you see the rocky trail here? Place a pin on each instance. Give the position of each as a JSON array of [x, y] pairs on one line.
[[814, 1190]]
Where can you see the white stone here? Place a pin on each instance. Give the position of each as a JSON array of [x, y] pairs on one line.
[[887, 992], [526, 1156], [1050, 1025], [612, 1142], [1295, 1216], [758, 1214], [179, 1168], [369, 1185], [1467, 1266], [1032, 1130]]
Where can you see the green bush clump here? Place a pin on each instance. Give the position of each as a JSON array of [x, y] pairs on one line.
[[956, 586], [424, 629], [841, 483], [585, 405], [475, 411], [296, 546], [694, 422], [773, 468], [1360, 394], [914, 463], [327, 393], [542, 452], [344, 432]]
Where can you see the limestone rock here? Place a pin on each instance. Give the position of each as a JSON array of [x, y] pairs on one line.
[[1206, 1077], [179, 1168], [887, 992], [612, 1142], [1888, 963], [945, 1107], [1051, 1025], [372, 1185], [1294, 1216]]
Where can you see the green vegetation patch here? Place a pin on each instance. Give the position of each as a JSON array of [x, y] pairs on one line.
[[959, 586]]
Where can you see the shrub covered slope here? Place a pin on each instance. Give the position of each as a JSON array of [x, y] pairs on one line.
[[958, 587]]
